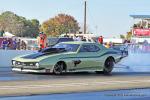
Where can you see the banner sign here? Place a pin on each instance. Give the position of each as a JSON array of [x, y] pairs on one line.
[[141, 32]]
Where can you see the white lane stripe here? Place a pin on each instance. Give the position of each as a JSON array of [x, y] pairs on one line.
[[74, 84]]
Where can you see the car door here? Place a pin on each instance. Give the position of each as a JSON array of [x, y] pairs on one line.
[[88, 57]]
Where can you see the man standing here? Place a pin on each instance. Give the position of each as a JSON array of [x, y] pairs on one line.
[[42, 40], [100, 40], [14, 44], [19, 44], [4, 44]]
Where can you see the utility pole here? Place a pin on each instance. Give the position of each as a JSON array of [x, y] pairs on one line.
[[85, 17], [96, 28]]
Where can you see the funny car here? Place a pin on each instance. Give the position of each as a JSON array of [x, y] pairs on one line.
[[68, 57]]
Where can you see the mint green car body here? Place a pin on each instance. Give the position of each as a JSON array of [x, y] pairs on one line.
[[70, 61]]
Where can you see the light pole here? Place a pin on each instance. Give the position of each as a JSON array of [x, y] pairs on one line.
[[85, 16]]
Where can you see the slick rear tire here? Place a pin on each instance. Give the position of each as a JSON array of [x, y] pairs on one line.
[[109, 64]]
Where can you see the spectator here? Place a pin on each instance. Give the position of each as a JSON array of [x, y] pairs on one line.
[[66, 35], [4, 44], [23, 45], [107, 45], [14, 44], [75, 37], [18, 44], [8, 44], [42, 40], [84, 39], [100, 40], [72, 37], [78, 38]]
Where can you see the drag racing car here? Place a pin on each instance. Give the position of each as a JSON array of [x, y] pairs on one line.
[[68, 57]]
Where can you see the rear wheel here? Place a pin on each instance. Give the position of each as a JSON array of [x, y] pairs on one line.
[[58, 68], [109, 64]]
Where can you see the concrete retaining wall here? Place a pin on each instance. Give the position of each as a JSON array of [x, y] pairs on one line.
[[7, 55]]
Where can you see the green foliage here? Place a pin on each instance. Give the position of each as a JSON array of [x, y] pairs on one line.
[[18, 25], [60, 24], [122, 36], [129, 35]]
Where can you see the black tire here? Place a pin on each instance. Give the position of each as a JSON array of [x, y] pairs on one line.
[[58, 68], [109, 65]]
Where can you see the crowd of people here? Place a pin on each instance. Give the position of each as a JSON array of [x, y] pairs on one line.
[[16, 43], [9, 44], [19, 44]]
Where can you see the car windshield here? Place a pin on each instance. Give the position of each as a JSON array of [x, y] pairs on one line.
[[67, 47], [52, 41]]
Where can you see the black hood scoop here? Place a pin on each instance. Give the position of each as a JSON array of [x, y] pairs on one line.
[[43, 52], [34, 56]]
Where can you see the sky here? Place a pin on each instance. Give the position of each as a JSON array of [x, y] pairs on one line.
[[109, 18]]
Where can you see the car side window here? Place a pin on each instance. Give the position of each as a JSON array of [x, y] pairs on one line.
[[94, 48], [84, 48], [65, 39], [89, 48]]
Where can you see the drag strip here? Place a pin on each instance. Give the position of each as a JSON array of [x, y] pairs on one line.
[[131, 94], [32, 87]]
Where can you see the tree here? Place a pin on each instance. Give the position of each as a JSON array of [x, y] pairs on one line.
[[18, 25], [1, 32], [60, 24], [122, 36], [129, 35]]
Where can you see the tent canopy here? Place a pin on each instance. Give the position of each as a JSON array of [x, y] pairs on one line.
[[7, 34]]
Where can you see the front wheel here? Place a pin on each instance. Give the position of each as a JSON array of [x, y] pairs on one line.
[[109, 64], [58, 68]]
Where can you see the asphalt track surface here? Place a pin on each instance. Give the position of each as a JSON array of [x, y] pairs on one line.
[[19, 84], [79, 86], [133, 94]]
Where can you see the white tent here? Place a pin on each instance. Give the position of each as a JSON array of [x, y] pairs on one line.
[[7, 34]]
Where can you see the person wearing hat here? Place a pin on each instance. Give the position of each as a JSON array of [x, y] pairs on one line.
[[42, 40]]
